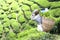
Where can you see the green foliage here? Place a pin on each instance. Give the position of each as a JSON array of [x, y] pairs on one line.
[[55, 5], [6, 30], [1, 28], [46, 14], [3, 16], [34, 6], [28, 14], [1, 11], [43, 3], [33, 34], [25, 7], [21, 19], [11, 36], [26, 26], [56, 13], [9, 16], [15, 25], [14, 5], [5, 7], [20, 13], [28, 2], [48, 36], [57, 21], [6, 24], [20, 1], [14, 15], [27, 32], [32, 23], [53, 0], [5, 20], [9, 1], [2, 2]]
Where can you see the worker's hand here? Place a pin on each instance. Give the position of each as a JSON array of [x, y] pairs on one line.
[[32, 16]]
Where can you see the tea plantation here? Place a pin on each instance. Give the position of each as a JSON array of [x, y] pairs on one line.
[[15, 22]]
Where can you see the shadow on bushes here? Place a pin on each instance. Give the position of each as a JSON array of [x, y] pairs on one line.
[[53, 0]]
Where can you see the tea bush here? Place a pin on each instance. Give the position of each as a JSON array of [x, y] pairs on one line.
[[34, 6], [1, 28], [55, 5], [55, 15], [21, 19], [15, 21], [28, 14], [25, 7], [29, 35]]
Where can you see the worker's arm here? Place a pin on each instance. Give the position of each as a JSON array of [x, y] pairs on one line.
[[33, 17]]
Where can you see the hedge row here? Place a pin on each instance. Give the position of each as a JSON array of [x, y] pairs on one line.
[[15, 19]]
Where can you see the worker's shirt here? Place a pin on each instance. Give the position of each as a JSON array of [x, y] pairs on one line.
[[37, 18]]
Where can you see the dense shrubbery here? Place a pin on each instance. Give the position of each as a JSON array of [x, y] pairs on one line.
[[15, 23], [55, 15], [53, 0], [29, 35]]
